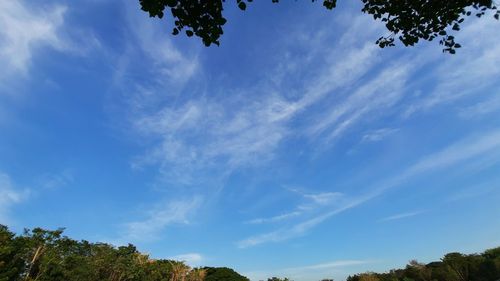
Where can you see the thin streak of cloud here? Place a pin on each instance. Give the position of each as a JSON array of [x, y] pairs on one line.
[[474, 191], [9, 197], [329, 265], [192, 259], [378, 135], [323, 198], [169, 62], [381, 92], [467, 74], [456, 153], [401, 216], [321, 270], [314, 202], [159, 218], [57, 180], [479, 109], [275, 218]]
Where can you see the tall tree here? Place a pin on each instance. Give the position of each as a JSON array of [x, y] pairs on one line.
[[179, 271], [197, 274]]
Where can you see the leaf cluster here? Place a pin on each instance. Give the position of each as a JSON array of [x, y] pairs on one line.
[[407, 20]]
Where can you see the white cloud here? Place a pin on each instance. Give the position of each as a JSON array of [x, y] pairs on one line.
[[323, 197], [471, 71], [464, 150], [492, 105], [9, 196], [159, 218], [28, 27], [56, 180], [168, 70], [308, 272], [299, 228], [201, 135], [459, 152], [237, 132], [329, 265], [276, 218], [378, 135], [475, 191], [401, 216], [378, 94], [192, 259], [23, 29], [313, 203]]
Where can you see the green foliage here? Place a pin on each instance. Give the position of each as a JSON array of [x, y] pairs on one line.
[[452, 267], [223, 274], [407, 20], [44, 255]]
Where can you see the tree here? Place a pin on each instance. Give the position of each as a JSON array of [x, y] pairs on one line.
[[179, 271], [418, 271], [458, 263], [11, 255], [407, 20], [223, 274], [369, 276], [197, 274]]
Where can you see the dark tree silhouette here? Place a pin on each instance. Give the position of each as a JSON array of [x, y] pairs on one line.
[[407, 20]]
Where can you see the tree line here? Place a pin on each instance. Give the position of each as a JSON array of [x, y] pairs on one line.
[[452, 267], [48, 255]]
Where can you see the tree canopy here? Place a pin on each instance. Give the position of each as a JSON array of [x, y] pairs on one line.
[[409, 21], [48, 255], [452, 267], [223, 274]]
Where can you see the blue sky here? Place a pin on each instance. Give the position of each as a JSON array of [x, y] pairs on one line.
[[297, 148]]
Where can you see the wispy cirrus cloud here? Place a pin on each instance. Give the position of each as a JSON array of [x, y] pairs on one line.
[[312, 202], [475, 191], [23, 28], [490, 106], [237, 131], [198, 136], [400, 216], [9, 197], [462, 151], [171, 66], [378, 135], [192, 259], [465, 75], [56, 180], [277, 218], [320, 270], [329, 265], [158, 218], [380, 93], [201, 135]]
